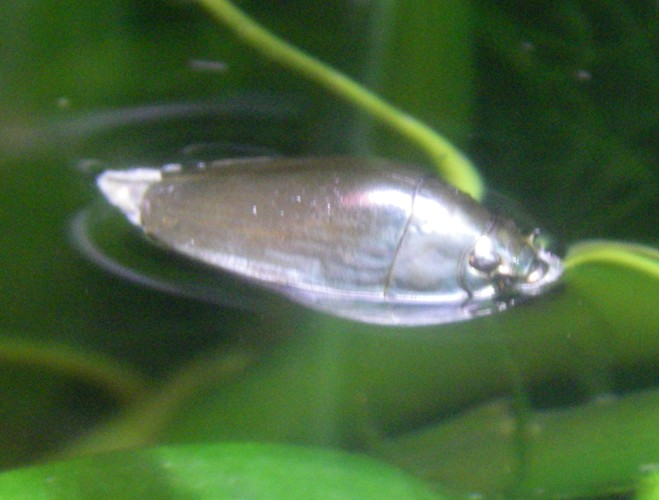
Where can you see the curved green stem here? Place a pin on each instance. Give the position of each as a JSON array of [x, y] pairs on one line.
[[122, 382], [451, 163], [149, 419], [641, 258]]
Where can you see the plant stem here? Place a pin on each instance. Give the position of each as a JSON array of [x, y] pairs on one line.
[[642, 258], [119, 380], [453, 165]]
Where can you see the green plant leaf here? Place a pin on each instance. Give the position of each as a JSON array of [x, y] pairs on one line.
[[598, 448], [342, 383], [649, 489], [257, 471]]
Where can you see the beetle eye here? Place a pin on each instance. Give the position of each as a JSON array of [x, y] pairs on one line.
[[483, 258], [537, 271]]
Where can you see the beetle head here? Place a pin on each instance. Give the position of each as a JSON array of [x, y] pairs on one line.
[[503, 264]]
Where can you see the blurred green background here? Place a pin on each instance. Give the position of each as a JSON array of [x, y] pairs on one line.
[[555, 102]]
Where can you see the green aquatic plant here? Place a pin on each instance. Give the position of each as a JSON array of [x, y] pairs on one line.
[[557, 398], [450, 162]]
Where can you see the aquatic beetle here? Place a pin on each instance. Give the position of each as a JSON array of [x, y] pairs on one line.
[[365, 239]]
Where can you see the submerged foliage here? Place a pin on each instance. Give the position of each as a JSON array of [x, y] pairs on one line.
[[554, 102]]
